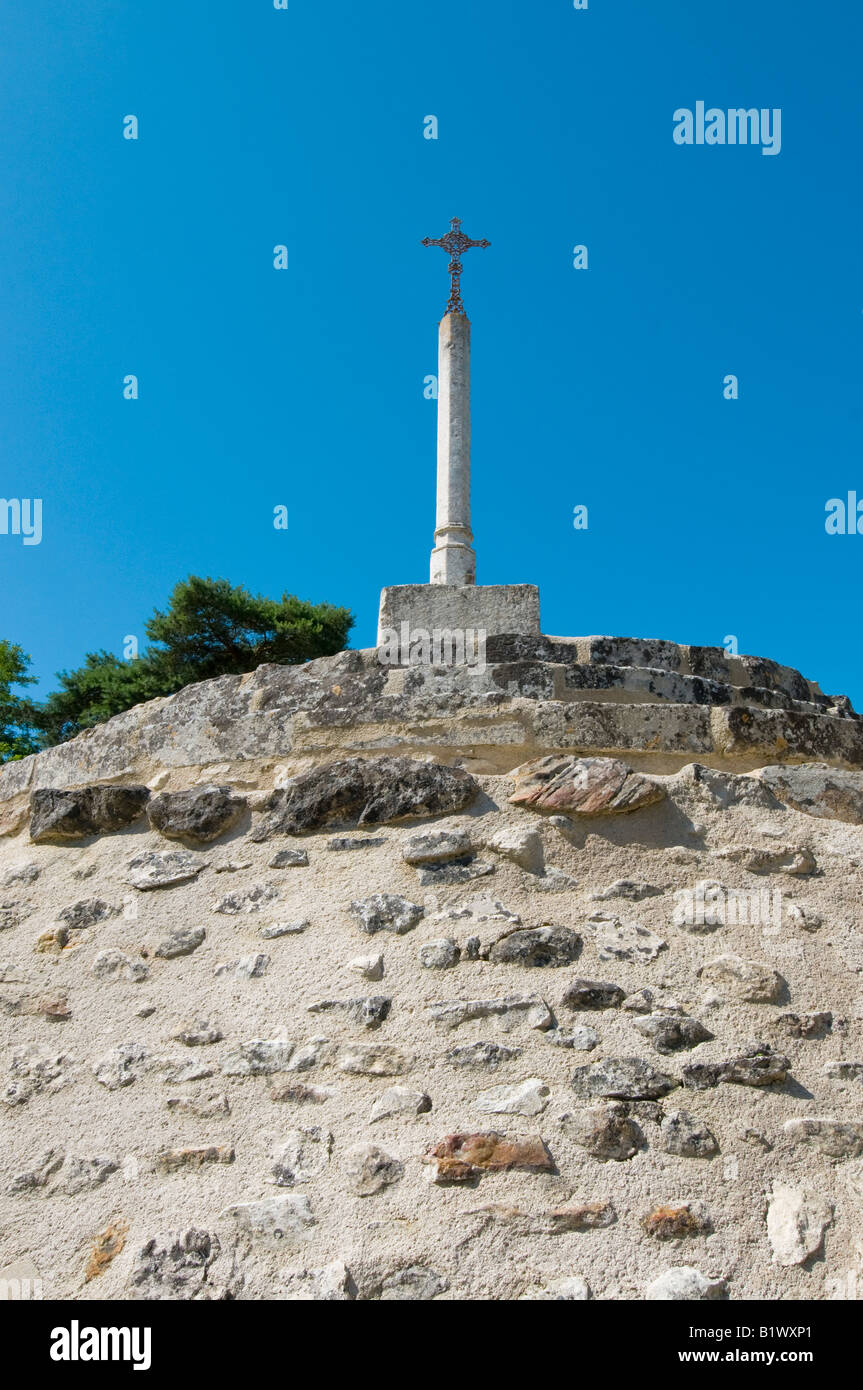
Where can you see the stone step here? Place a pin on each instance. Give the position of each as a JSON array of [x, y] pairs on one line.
[[656, 654], [502, 714], [550, 680]]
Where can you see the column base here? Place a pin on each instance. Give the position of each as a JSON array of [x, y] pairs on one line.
[[493, 609], [453, 564]]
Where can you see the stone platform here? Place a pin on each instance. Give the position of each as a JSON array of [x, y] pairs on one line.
[[658, 704]]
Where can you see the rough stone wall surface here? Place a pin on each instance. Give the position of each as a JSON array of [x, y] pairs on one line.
[[511, 1050]]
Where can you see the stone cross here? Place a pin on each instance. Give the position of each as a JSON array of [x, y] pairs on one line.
[[453, 560]]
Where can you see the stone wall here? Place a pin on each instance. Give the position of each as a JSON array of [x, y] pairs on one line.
[[381, 1028], [659, 704]]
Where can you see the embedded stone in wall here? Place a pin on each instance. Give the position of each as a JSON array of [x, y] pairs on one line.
[[436, 847], [116, 965], [370, 967], [527, 1098], [673, 1222], [386, 912], [331, 1284], [107, 1245], [273, 1220], [246, 968], [346, 844], [485, 1056], [523, 847], [831, 1137], [537, 946], [26, 874], [844, 1071], [797, 860], [369, 1012], [54, 1007], [298, 1091], [817, 790], [34, 1068], [687, 1285], [247, 900], [44, 1168], [179, 1265], [259, 1057], [622, 1078], [454, 871], [277, 929], [181, 943], [369, 1170], [581, 1216], [745, 981], [86, 914], [200, 814], [687, 1137], [796, 1222], [317, 1052], [579, 1039], [724, 789], [10, 916], [802, 916], [626, 941], [163, 869], [583, 786], [606, 1131], [670, 1033], [366, 792], [302, 1156], [632, 889], [508, 1011], [120, 1066], [592, 994], [289, 859], [175, 1160], [760, 1066], [442, 954], [400, 1100], [206, 1107], [461, 1156], [58, 815], [814, 1025]]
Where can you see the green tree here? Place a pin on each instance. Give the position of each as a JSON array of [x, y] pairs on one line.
[[17, 734], [210, 628]]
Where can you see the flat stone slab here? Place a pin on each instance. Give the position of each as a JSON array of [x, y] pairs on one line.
[[489, 608]]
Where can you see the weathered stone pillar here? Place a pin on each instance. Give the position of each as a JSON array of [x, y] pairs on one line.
[[453, 560]]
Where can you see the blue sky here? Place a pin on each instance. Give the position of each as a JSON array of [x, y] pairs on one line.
[[304, 387]]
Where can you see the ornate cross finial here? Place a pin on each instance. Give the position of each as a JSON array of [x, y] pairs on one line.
[[455, 242]]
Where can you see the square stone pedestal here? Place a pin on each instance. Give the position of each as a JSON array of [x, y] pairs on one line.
[[492, 609]]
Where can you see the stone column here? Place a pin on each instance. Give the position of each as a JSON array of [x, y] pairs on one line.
[[453, 560]]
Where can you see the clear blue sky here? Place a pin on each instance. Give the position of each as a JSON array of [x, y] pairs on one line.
[[305, 387]]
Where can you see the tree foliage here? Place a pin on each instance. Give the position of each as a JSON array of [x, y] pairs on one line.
[[210, 628], [17, 734]]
